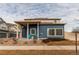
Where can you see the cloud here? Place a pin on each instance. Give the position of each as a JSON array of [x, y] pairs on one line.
[[16, 11]]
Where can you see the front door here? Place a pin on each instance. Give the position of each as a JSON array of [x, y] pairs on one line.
[[33, 33]]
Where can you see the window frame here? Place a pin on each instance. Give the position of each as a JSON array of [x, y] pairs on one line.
[[62, 31], [54, 32], [31, 32], [48, 32]]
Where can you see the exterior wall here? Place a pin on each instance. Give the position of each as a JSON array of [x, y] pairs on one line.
[[24, 32], [3, 25], [33, 26], [43, 30], [3, 34]]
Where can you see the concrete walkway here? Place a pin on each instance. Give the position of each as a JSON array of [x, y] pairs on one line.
[[38, 47]]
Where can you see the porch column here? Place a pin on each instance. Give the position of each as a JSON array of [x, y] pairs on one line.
[[38, 31], [20, 31], [27, 30], [17, 32], [7, 35]]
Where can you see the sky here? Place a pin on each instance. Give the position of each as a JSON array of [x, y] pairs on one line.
[[69, 13]]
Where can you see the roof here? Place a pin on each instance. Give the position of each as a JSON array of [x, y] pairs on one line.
[[28, 21], [40, 20], [43, 19], [10, 24], [2, 21]]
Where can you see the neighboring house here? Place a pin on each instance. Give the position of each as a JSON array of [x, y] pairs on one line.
[[40, 28], [11, 29], [6, 29], [3, 29]]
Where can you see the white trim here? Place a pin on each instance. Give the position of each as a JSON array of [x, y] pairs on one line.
[[34, 30], [54, 32], [20, 31], [27, 30], [62, 31], [48, 32], [43, 38], [38, 31], [17, 32]]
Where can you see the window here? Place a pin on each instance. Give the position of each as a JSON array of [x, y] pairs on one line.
[[51, 32], [33, 31], [58, 31], [54, 31]]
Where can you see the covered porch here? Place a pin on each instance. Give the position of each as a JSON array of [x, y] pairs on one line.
[[28, 29]]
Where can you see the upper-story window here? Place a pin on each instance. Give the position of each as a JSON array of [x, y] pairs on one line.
[[3, 26]]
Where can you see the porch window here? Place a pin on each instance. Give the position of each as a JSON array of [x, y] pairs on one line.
[[54, 32], [32, 31]]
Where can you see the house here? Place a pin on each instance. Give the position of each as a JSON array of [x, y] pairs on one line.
[[11, 29], [40, 28], [7, 30], [3, 29]]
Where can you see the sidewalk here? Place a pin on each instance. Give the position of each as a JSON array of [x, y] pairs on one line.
[[38, 47]]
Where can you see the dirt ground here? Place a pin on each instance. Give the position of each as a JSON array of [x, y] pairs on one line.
[[37, 52], [70, 40], [12, 42], [62, 42]]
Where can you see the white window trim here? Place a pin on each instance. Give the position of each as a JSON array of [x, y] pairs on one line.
[[54, 32], [34, 29], [48, 32]]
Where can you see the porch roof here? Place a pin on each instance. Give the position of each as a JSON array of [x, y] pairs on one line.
[[27, 21], [35, 22], [39, 20], [43, 19]]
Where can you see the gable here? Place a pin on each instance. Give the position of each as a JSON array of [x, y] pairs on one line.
[[3, 24]]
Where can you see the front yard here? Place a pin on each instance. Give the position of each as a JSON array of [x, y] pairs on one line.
[[17, 42], [13, 42]]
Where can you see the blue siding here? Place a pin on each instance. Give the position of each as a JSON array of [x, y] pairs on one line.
[[43, 30], [33, 26], [24, 32]]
